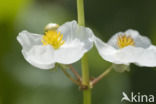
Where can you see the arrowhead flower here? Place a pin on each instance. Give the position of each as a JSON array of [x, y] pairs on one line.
[[128, 47], [64, 44]]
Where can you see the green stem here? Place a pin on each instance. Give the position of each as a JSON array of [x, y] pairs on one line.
[[80, 12], [86, 80], [84, 60]]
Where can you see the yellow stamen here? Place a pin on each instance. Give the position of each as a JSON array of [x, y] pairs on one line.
[[124, 41], [53, 38]]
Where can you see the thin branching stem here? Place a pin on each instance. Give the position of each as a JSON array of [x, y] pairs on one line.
[[106, 72], [70, 77], [75, 72]]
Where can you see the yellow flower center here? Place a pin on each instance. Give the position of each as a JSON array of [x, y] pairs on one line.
[[53, 38], [124, 41]]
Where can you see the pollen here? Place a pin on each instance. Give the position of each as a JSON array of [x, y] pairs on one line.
[[53, 38], [124, 41]]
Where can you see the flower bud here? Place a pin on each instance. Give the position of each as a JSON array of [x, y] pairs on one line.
[[51, 26], [121, 67]]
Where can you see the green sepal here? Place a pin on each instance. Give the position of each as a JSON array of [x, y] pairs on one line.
[[121, 67]]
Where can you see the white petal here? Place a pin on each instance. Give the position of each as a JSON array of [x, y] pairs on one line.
[[34, 52], [40, 56], [78, 40], [148, 57], [69, 54], [127, 55], [140, 41], [106, 51], [68, 30], [137, 55], [72, 31], [27, 39]]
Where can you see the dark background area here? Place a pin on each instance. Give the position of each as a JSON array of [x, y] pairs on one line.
[[21, 83]]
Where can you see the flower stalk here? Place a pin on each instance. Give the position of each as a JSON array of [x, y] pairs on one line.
[[75, 73], [84, 60], [106, 72], [69, 76]]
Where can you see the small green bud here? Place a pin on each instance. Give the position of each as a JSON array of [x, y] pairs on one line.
[[51, 26], [121, 67]]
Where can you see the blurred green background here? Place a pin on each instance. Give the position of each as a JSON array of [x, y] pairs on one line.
[[21, 83]]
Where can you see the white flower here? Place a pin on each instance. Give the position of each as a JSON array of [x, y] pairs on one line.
[[65, 45], [128, 47]]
